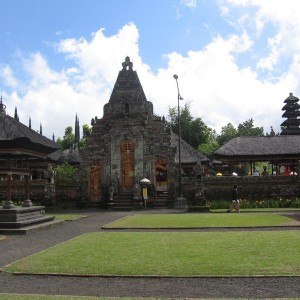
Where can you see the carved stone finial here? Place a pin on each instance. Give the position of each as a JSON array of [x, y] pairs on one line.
[[2, 106], [127, 64]]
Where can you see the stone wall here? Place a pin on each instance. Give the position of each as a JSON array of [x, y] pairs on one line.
[[215, 188], [252, 188], [68, 192]]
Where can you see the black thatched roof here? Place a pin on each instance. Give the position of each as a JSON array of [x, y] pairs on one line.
[[70, 156], [15, 135], [260, 148], [189, 155]]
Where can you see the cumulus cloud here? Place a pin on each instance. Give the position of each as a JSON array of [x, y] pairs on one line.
[[218, 88], [7, 75]]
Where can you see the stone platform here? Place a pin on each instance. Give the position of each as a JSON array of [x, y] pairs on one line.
[[19, 220], [199, 208]]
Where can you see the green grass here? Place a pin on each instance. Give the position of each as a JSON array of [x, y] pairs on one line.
[[171, 254], [200, 220]]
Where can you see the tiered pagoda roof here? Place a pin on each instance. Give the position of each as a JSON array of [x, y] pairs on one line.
[[292, 113]]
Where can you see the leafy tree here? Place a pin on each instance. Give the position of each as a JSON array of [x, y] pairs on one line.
[[193, 130], [68, 140], [65, 172], [228, 132], [208, 149], [86, 131], [247, 129]]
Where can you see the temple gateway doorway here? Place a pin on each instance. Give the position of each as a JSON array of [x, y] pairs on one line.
[[161, 176], [127, 165], [95, 181]]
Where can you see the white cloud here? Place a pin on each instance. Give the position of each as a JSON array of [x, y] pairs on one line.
[[219, 89], [7, 75], [189, 3], [41, 75]]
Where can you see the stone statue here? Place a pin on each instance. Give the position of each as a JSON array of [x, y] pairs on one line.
[[49, 174], [111, 192], [127, 63], [199, 200]]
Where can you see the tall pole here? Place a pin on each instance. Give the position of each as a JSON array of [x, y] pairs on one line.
[[179, 139]]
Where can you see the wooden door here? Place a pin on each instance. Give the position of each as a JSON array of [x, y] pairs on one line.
[[95, 181], [127, 165], [161, 175]]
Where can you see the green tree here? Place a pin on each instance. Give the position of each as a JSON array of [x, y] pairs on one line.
[[228, 132], [193, 130], [86, 131], [208, 149], [68, 140], [247, 129], [65, 172]]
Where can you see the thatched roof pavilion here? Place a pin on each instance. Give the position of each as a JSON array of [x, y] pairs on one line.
[[16, 137], [189, 155], [260, 148], [18, 145]]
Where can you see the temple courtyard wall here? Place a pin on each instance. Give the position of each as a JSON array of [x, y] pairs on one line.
[[215, 188]]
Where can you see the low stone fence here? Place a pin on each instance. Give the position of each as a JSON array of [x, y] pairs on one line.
[[215, 188], [251, 187], [68, 192]]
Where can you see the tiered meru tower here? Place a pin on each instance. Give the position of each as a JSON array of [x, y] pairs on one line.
[[291, 124], [128, 143]]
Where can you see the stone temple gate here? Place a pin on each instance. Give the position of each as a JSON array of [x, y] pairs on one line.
[[127, 144]]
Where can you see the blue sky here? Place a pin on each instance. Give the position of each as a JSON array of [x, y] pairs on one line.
[[236, 59]]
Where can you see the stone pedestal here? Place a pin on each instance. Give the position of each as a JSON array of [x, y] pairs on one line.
[[21, 217], [180, 203], [199, 208], [27, 203], [8, 204]]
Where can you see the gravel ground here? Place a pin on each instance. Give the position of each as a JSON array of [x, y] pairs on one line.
[[15, 247]]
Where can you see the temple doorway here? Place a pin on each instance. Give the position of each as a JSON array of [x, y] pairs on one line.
[[161, 176], [127, 165], [95, 181]]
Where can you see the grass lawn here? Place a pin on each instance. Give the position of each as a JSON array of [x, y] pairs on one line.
[[171, 254], [195, 220]]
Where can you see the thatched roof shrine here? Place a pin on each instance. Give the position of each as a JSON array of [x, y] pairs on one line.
[[16, 138], [70, 156], [260, 148], [189, 155]]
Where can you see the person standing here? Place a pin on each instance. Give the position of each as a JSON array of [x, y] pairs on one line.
[[235, 200]]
